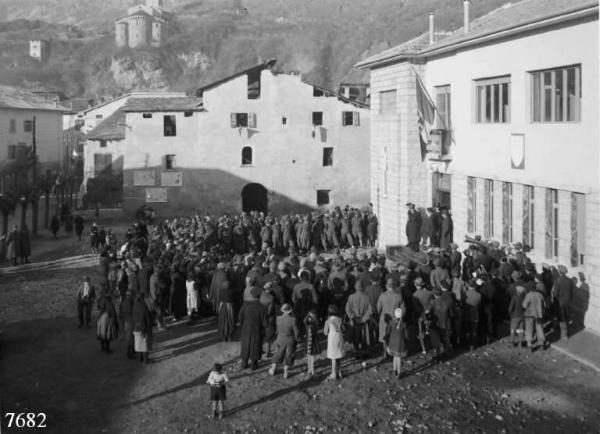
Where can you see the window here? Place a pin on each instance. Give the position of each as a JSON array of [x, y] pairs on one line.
[[317, 118], [318, 92], [551, 247], [245, 120], [507, 212], [323, 197], [577, 229], [170, 161], [493, 100], [350, 118], [79, 123], [246, 156], [103, 143], [102, 164], [528, 216], [556, 95], [99, 116], [443, 119], [13, 126], [12, 152], [387, 102], [327, 157], [283, 120], [169, 126], [488, 209], [471, 204], [28, 126], [188, 114], [254, 85], [147, 115]]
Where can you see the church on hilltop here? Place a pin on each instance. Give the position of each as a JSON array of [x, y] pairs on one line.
[[144, 25]]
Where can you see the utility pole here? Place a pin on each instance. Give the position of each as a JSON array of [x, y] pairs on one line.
[[34, 202]]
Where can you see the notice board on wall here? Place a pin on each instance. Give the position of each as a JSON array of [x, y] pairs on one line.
[[171, 179], [144, 178], [156, 194]]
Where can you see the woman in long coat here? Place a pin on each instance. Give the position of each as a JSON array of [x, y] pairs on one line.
[[253, 320], [178, 294], [108, 326]]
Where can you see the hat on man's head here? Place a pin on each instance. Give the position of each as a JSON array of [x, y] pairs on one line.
[[562, 269]]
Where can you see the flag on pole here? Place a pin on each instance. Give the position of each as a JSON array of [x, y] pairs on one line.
[[426, 112]]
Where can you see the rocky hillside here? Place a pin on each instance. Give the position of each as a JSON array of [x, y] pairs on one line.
[[210, 39]]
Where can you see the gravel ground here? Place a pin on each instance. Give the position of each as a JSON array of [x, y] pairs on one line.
[[48, 365]]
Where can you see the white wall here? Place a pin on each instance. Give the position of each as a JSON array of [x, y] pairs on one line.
[[553, 151]]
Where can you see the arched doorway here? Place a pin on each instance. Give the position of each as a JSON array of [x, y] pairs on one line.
[[254, 198]]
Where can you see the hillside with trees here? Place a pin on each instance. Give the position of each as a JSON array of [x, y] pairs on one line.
[[210, 39]]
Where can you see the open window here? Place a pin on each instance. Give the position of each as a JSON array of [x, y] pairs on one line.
[[170, 128], [170, 161], [350, 118], [327, 157], [254, 85], [246, 156], [243, 120], [323, 197], [317, 118]]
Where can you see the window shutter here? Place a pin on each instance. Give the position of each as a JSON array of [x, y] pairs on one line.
[[343, 119], [233, 120], [251, 120], [356, 118]]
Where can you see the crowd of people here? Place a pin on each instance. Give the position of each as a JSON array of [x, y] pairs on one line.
[[286, 281]]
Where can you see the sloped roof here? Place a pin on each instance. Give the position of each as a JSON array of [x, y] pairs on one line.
[[164, 104], [265, 65], [511, 16], [111, 128], [15, 98]]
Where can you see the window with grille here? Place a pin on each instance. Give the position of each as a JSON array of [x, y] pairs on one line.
[[488, 209], [471, 205], [556, 95], [528, 216], [350, 118], [492, 97]]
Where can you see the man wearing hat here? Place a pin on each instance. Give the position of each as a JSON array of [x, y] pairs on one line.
[[472, 307], [358, 310], [422, 299], [413, 228], [253, 322], [441, 312], [562, 295], [285, 345]]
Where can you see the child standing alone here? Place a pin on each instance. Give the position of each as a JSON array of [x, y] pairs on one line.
[[395, 340], [334, 330], [217, 381]]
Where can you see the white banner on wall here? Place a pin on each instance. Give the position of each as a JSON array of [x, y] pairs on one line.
[[156, 194], [171, 179], [144, 178]]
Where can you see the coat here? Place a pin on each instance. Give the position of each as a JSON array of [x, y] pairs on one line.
[[446, 231], [386, 305], [25, 242], [253, 321], [287, 330], [563, 290], [219, 277], [534, 305], [413, 227], [441, 308]]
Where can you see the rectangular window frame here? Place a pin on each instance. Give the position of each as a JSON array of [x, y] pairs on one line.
[[170, 162], [488, 207], [28, 126], [529, 216], [560, 108], [471, 204], [388, 102], [443, 96], [169, 125], [12, 128], [317, 119], [321, 194], [12, 152], [488, 91], [507, 212], [327, 156]]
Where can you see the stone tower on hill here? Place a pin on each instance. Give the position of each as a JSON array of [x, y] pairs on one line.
[[145, 25]]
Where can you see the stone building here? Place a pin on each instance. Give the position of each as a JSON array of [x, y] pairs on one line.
[[39, 49], [144, 25], [256, 140], [514, 143]]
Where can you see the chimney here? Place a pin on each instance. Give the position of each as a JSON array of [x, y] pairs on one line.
[[466, 7], [431, 29]]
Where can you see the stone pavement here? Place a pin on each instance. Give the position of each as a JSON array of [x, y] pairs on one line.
[[584, 347]]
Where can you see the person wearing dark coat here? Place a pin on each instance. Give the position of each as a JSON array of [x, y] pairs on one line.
[[126, 316], [253, 322], [219, 277], [413, 228], [436, 224], [54, 225], [142, 327], [108, 325], [447, 229], [441, 312], [226, 318], [25, 244], [178, 295], [562, 295], [78, 226]]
